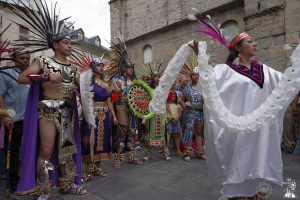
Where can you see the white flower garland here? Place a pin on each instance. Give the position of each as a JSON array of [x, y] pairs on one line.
[[281, 96]]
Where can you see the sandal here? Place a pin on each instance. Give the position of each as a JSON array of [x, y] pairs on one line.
[[100, 172], [43, 197], [201, 156], [72, 188], [168, 158], [136, 161], [132, 159], [86, 179], [187, 159], [117, 165], [146, 154], [137, 148]]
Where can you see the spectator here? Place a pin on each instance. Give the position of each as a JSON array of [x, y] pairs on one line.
[[14, 96]]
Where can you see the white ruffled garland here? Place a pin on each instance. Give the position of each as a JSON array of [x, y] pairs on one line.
[[281, 96], [87, 97], [158, 103]]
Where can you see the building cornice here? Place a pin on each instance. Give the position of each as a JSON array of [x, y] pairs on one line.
[[264, 12], [112, 1]]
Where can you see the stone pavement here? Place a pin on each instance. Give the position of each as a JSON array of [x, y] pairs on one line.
[[162, 180]]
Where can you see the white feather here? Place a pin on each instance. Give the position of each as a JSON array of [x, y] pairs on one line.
[[87, 97], [191, 17], [287, 47], [194, 11]]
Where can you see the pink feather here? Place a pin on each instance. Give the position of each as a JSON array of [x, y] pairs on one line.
[[213, 32]]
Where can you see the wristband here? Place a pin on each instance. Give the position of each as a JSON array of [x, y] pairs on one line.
[[38, 78]]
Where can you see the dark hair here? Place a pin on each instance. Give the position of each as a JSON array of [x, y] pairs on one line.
[[152, 81], [233, 52], [52, 46], [176, 97], [16, 53]]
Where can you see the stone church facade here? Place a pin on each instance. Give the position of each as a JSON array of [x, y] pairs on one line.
[[155, 29]]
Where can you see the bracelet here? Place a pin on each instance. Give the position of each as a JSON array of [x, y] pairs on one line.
[[38, 78]]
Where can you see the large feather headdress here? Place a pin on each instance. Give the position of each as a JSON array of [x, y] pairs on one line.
[[85, 61], [150, 70], [44, 25], [120, 56], [191, 66]]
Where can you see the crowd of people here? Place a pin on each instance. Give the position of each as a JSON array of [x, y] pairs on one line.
[[73, 111]]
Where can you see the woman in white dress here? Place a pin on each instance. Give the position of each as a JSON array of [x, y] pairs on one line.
[[240, 163], [245, 103]]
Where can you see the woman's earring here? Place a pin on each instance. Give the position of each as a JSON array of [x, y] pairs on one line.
[[236, 61]]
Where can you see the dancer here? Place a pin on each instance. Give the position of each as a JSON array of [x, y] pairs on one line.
[[51, 131], [126, 128], [242, 135], [156, 125], [192, 103], [96, 138]]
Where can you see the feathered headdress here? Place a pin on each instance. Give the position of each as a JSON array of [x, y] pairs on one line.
[[209, 29], [4, 44], [4, 48], [120, 56], [45, 25], [84, 61], [150, 70], [216, 33], [191, 66]]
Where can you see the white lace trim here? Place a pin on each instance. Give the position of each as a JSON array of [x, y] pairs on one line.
[[281, 96], [87, 97]]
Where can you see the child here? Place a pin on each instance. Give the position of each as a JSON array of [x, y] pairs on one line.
[[173, 126]]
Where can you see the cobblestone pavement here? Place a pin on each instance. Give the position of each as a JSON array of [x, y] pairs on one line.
[[162, 180]]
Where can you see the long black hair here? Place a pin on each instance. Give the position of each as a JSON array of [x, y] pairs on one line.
[[233, 54]]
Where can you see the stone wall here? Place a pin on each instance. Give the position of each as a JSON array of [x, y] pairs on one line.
[[292, 22], [266, 23], [136, 17], [164, 26], [166, 41]]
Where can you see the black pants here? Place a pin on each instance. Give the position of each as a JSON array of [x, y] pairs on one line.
[[16, 140]]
